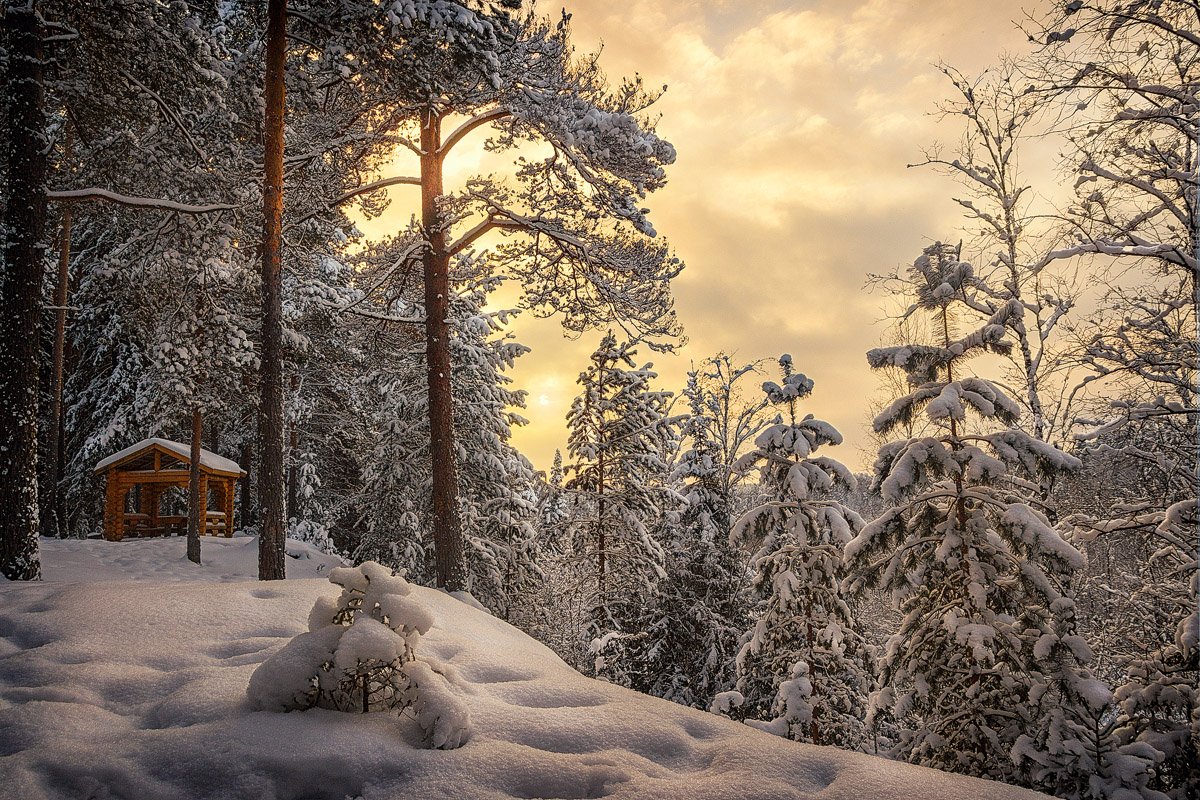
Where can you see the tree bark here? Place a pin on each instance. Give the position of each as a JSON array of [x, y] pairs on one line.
[[602, 446], [447, 531], [197, 505], [52, 515], [270, 478], [23, 230], [244, 499], [293, 511]]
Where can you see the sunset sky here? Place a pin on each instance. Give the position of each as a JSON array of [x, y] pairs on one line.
[[794, 122]]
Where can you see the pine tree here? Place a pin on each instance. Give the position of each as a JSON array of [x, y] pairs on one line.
[[22, 252], [972, 564], [498, 499], [554, 504], [576, 234], [803, 669]]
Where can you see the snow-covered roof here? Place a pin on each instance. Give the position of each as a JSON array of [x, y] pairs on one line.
[[207, 459]]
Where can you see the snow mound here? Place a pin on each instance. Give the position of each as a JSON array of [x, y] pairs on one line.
[[137, 689]]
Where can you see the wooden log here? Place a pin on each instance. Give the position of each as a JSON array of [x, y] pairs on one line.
[[111, 511], [228, 506]]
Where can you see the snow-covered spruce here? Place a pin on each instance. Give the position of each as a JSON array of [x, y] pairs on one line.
[[1072, 749], [619, 439], [803, 669], [359, 654], [970, 561], [1159, 701], [700, 610]]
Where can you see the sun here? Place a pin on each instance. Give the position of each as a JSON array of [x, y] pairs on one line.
[[543, 399]]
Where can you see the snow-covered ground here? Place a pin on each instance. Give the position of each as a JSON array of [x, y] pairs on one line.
[[124, 676]]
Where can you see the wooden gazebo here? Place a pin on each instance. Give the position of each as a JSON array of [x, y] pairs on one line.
[[152, 466]]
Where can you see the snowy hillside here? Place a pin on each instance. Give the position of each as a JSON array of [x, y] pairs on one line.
[[136, 688]]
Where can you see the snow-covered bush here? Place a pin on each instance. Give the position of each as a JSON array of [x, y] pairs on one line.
[[359, 654]]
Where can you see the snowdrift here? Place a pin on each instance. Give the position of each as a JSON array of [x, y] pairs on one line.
[[137, 689]]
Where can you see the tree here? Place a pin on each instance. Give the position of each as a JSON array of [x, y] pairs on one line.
[[999, 109], [1128, 72], [573, 210], [803, 669], [393, 496], [270, 478], [498, 501], [1071, 748], [700, 609], [23, 254], [618, 433], [972, 564]]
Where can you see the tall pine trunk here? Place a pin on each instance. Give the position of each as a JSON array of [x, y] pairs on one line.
[[53, 520], [24, 223], [270, 478], [447, 530]]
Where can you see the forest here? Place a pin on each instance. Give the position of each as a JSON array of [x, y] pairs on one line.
[[1010, 593]]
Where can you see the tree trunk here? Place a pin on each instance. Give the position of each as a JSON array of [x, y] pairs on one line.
[[270, 478], [293, 507], [447, 532], [244, 499], [292, 477], [601, 544], [602, 446], [197, 505], [21, 293], [52, 516]]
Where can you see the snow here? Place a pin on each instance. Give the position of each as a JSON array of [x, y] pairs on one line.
[[207, 459], [137, 688]]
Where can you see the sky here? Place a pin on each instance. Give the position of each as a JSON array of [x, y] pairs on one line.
[[794, 123]]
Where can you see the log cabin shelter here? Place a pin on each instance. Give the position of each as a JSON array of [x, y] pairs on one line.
[[147, 471]]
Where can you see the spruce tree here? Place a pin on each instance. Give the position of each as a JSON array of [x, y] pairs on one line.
[[969, 558], [701, 609], [619, 432], [803, 669]]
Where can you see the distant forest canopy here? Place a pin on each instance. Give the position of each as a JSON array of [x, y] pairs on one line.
[[1011, 594]]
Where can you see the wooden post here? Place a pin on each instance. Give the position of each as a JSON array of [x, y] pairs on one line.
[[151, 492], [195, 491], [205, 527], [112, 509], [229, 484], [244, 495]]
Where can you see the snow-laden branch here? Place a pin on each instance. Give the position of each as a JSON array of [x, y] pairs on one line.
[[153, 203], [516, 222], [1114, 249]]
